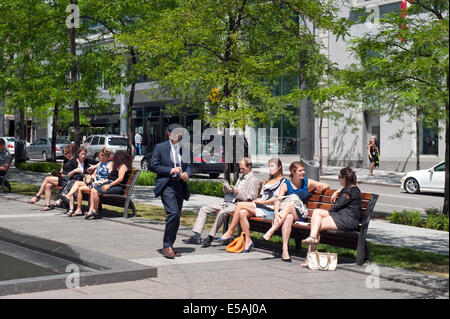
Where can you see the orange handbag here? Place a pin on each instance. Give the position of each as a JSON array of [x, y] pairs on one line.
[[237, 245]]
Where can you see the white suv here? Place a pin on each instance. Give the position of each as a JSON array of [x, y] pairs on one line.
[[95, 143]]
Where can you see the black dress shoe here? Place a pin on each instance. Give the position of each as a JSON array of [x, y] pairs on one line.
[[193, 240], [207, 242], [289, 260]]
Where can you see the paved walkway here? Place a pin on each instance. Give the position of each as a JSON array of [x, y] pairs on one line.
[[204, 272]]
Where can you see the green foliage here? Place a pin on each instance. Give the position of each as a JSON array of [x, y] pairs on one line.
[[435, 219], [206, 188], [406, 217], [195, 187], [43, 167], [146, 179]]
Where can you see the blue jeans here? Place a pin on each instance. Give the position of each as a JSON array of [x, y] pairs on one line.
[[138, 149]]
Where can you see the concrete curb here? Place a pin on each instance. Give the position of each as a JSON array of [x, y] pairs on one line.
[[107, 269]]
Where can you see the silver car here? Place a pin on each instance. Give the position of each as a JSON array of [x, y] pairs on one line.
[[95, 143], [9, 143], [42, 148]]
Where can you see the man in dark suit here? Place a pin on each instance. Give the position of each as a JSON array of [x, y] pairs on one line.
[[172, 173]]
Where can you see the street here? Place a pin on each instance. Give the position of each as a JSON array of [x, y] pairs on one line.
[[395, 199]]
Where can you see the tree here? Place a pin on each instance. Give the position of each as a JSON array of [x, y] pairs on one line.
[[40, 58], [406, 64], [233, 48]]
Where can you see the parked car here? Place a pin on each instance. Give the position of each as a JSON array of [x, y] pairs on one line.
[[42, 148], [213, 166], [425, 180], [9, 143], [95, 143]]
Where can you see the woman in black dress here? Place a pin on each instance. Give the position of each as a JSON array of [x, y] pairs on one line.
[[345, 213], [78, 167], [56, 179], [374, 154]]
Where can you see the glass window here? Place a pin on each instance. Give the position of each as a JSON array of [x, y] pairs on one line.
[[440, 168], [88, 140], [62, 141], [102, 141], [428, 140], [118, 141], [95, 140]]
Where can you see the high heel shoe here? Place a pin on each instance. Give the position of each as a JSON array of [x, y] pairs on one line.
[[221, 240], [264, 240], [249, 248]]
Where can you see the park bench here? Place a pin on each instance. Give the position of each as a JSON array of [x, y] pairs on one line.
[[123, 200], [3, 182], [347, 239]]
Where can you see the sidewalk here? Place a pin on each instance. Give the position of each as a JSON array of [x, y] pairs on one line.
[[202, 272], [380, 232]]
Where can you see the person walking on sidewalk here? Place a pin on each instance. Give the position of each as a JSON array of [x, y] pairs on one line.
[[374, 154], [171, 177], [138, 142], [246, 190]]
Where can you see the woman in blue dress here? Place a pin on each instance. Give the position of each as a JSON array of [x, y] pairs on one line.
[[298, 185]]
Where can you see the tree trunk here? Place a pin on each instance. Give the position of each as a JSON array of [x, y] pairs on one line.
[[417, 144], [226, 171], [19, 133], [320, 146], [54, 130], [74, 76], [130, 119], [130, 132], [447, 161]]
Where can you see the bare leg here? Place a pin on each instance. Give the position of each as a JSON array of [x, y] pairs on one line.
[[48, 193], [95, 200], [53, 180], [287, 210], [321, 220], [249, 206], [245, 225], [74, 188], [80, 199], [286, 233]]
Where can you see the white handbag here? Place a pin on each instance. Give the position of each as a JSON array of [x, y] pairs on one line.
[[321, 261]]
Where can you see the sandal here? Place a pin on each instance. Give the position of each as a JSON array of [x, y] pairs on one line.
[[310, 241], [91, 215], [56, 203], [69, 212], [78, 213], [46, 208], [32, 201]]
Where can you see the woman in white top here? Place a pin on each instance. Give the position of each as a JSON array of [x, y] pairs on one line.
[[261, 207]]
